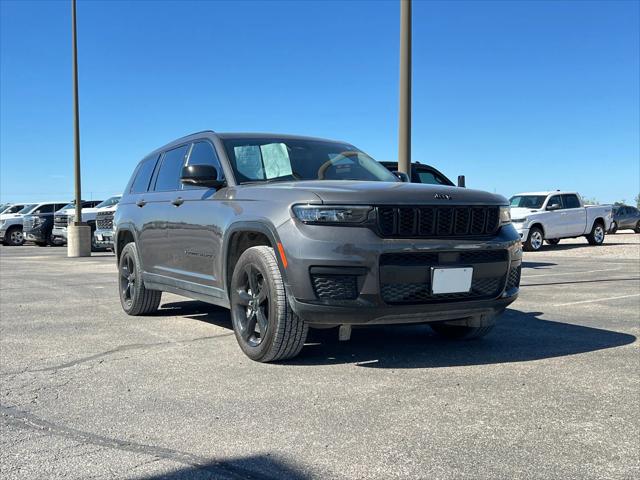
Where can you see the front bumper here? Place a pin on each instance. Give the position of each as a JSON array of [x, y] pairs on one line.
[[357, 251], [522, 229], [35, 235], [103, 238], [59, 235]]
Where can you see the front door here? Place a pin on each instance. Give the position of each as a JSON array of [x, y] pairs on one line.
[[197, 222], [554, 226]]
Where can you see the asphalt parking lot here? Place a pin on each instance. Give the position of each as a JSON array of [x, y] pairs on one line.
[[88, 392]]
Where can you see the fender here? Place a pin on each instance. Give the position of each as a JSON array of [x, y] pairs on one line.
[[263, 227], [124, 227]]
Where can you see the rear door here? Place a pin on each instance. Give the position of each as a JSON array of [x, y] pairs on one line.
[[156, 206], [575, 216], [195, 232]]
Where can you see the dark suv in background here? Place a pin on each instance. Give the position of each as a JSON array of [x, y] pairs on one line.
[[294, 232], [625, 218], [37, 225]]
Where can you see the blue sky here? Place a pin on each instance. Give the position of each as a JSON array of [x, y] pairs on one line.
[[516, 95]]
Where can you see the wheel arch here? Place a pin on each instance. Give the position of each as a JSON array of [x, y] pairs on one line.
[[243, 235], [123, 236], [538, 225]]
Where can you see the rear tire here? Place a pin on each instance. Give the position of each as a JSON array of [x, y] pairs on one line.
[[460, 332], [596, 237], [266, 328], [553, 241], [135, 298], [637, 229], [534, 241]]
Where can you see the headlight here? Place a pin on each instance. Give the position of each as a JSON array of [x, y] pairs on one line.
[[505, 215], [331, 213]]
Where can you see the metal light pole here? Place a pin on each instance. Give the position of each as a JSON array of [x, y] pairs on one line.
[[78, 234], [404, 124]]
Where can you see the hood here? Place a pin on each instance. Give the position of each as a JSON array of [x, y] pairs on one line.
[[387, 193], [7, 216], [518, 213]]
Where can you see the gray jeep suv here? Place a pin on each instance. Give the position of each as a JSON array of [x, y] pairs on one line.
[[294, 232]]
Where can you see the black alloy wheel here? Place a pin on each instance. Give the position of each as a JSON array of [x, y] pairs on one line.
[[252, 305]]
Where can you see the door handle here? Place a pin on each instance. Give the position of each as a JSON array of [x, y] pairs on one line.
[[141, 203], [178, 201]]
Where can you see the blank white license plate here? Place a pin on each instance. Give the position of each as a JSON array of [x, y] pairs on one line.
[[451, 280], [99, 237]]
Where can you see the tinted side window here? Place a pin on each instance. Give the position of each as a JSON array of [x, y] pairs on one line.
[[143, 177], [571, 201], [203, 153], [170, 169], [555, 199], [45, 209]]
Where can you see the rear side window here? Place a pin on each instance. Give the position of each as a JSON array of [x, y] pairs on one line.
[[571, 201], [171, 169], [143, 177]]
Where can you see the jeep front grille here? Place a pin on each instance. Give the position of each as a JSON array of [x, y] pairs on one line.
[[437, 222]]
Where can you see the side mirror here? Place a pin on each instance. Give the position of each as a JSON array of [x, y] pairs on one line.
[[402, 176], [461, 181], [554, 206], [202, 175]]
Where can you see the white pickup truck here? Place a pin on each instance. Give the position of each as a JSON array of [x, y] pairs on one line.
[[551, 216]]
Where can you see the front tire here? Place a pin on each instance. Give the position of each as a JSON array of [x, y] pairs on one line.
[[596, 237], [135, 298], [637, 229], [534, 240], [614, 228], [266, 328], [14, 237], [460, 332]]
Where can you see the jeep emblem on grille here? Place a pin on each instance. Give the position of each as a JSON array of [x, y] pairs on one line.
[[442, 196]]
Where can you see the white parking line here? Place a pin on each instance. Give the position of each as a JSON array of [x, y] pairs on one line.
[[572, 273], [597, 300]]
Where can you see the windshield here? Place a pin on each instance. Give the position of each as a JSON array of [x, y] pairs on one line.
[[28, 208], [527, 201], [285, 159], [109, 202]]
